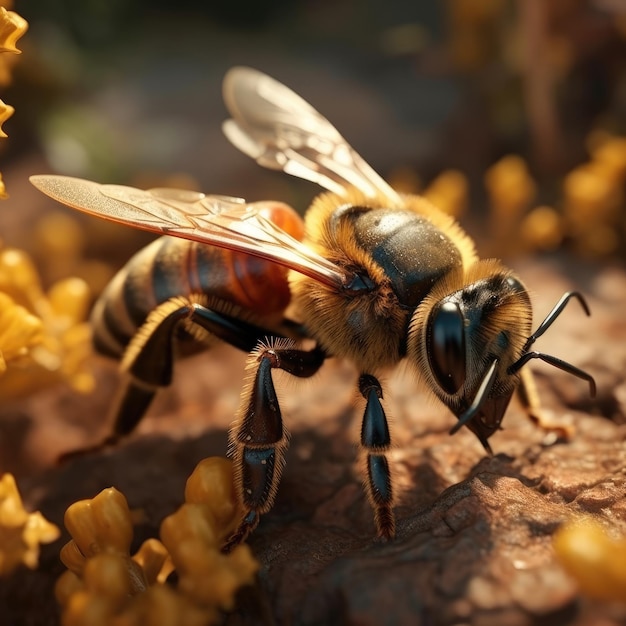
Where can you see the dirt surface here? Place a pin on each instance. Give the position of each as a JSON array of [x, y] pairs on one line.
[[474, 533]]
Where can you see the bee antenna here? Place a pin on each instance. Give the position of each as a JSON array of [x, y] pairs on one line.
[[552, 360], [481, 395], [552, 316]]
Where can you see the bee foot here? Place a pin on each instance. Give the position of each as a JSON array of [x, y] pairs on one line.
[[109, 442], [555, 430], [246, 526]]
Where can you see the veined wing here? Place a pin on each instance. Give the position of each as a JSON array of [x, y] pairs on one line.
[[221, 221], [280, 130]]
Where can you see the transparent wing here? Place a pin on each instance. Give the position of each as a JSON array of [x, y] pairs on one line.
[[280, 130], [221, 221]]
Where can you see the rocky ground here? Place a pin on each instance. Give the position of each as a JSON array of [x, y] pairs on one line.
[[474, 541]]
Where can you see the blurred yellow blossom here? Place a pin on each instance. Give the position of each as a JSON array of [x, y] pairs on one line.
[[105, 585], [449, 192], [593, 558], [510, 186], [593, 196], [62, 349], [542, 228], [19, 331], [98, 526], [20, 532], [511, 190], [610, 154], [211, 484], [590, 196], [12, 27], [6, 110]]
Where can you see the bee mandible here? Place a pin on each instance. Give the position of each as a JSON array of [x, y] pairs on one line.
[[374, 276]]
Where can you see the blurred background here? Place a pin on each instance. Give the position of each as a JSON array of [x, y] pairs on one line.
[[509, 114]]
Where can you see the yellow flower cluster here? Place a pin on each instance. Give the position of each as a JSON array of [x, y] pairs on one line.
[[588, 214], [106, 586], [449, 192], [510, 187], [593, 196], [47, 329], [593, 558], [12, 27], [19, 331], [20, 532], [511, 190]]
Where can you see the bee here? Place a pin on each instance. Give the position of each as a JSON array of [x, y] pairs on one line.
[[372, 276]]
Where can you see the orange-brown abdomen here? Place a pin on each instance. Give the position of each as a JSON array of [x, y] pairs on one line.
[[171, 267]]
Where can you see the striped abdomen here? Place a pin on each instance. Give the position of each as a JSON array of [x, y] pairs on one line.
[[171, 267]]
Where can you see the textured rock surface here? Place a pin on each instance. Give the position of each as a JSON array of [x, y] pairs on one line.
[[474, 533]]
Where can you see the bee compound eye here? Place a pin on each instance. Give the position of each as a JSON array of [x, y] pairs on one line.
[[446, 346]]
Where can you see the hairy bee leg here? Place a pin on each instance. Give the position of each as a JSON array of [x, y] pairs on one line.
[[529, 397], [149, 359], [151, 354], [149, 363], [376, 440], [258, 438]]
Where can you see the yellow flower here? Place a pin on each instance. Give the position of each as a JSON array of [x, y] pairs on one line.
[[593, 558], [12, 27], [105, 585], [449, 192], [20, 532], [195, 533], [19, 330], [97, 526], [211, 484], [510, 186], [6, 110], [63, 347]]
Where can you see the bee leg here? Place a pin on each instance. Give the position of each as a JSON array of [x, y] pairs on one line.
[[148, 363], [150, 356], [376, 441], [258, 439], [529, 396], [149, 359], [131, 404]]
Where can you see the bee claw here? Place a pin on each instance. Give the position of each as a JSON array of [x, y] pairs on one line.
[[246, 526], [110, 442]]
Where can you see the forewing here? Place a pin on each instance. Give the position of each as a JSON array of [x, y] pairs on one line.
[[280, 130], [221, 221]]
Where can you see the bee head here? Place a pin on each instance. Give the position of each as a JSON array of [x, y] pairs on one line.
[[470, 339]]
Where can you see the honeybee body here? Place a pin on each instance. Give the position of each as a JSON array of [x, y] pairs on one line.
[[368, 327], [375, 278], [401, 253]]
